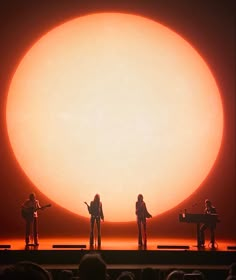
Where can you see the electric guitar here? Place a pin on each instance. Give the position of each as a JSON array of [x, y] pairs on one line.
[[28, 212]]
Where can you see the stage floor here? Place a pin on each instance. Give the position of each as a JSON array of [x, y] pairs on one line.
[[116, 244], [121, 253]]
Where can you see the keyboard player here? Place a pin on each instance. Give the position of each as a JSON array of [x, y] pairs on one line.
[[209, 209]]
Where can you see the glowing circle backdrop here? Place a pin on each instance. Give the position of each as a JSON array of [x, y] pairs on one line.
[[114, 104]]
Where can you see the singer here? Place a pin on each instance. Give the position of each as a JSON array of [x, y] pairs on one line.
[[142, 214], [96, 212]]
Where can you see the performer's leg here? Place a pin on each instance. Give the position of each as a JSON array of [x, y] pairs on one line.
[[35, 230], [144, 233], [212, 229], [202, 234], [27, 231], [139, 232], [91, 230], [98, 222]]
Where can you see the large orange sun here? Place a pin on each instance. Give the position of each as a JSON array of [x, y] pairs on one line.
[[114, 104]]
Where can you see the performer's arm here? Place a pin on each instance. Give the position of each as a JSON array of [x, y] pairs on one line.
[[136, 208], [37, 205], [214, 210], [90, 208], [87, 206], [147, 214], [23, 206], [101, 212]]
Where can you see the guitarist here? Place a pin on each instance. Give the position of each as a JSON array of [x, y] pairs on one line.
[[96, 212], [29, 212]]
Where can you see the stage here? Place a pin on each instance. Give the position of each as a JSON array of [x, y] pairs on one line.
[[120, 251], [56, 254]]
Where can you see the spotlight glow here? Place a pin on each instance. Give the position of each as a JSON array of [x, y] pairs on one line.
[[114, 104]]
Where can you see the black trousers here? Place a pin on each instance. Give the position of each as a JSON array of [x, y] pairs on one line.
[[202, 233], [142, 231], [98, 225], [31, 230]]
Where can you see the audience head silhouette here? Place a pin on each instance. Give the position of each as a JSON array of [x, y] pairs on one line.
[[175, 275], [25, 270], [232, 269], [149, 273], [92, 267], [65, 274], [126, 275]]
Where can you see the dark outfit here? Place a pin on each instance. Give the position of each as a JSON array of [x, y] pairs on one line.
[[142, 214], [29, 208], [208, 210], [96, 212]]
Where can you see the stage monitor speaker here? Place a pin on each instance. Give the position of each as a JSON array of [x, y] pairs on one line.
[[176, 247], [4, 246], [231, 247], [69, 246]]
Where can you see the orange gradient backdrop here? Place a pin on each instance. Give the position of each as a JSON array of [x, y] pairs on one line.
[[114, 104]]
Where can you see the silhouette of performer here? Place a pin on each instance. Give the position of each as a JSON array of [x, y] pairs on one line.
[[96, 212], [30, 214], [209, 209], [142, 214]]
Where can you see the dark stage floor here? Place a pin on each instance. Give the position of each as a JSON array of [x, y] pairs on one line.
[[121, 253]]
